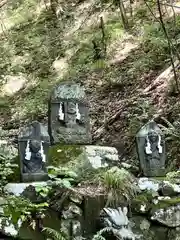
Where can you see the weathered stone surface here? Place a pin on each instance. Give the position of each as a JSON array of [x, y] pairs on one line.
[[141, 204], [169, 216], [68, 115], [143, 228], [148, 184], [33, 143], [151, 150], [168, 189], [19, 188], [163, 187], [83, 158]]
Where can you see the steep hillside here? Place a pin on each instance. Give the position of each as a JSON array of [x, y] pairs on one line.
[[39, 49]]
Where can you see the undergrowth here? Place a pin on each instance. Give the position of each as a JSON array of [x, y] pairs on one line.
[[39, 42]]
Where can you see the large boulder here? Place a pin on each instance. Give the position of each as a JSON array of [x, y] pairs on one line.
[[167, 215], [84, 160]]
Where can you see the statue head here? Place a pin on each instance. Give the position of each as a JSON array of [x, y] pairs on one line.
[[153, 136], [35, 146], [71, 107]]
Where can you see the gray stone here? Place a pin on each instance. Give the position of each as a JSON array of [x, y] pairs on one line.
[[169, 216], [69, 115], [143, 228], [18, 188], [148, 184], [168, 189], [151, 150], [33, 142]]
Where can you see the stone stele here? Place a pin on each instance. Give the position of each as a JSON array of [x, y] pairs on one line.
[[33, 144], [68, 115], [151, 150]]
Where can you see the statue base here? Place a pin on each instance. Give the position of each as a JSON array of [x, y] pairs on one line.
[[154, 172], [34, 177]]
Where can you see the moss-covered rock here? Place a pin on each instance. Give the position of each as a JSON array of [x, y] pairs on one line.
[[146, 231], [142, 204], [84, 160], [167, 212], [166, 203]]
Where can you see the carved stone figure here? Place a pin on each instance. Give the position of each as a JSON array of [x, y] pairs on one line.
[[33, 146], [68, 115], [151, 150], [34, 157]]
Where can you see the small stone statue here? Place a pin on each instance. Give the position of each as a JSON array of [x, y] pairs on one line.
[[34, 157], [151, 150], [33, 144], [153, 147], [68, 115]]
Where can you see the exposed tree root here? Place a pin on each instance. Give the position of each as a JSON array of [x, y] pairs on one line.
[[159, 87]]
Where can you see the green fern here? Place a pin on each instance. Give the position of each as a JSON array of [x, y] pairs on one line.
[[56, 235], [98, 235]]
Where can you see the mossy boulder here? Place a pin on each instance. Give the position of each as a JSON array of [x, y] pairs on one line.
[[167, 212], [83, 160], [141, 203]]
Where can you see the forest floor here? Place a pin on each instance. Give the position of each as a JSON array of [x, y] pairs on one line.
[[38, 51]]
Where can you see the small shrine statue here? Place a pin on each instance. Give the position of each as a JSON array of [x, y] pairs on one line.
[[33, 142], [151, 150], [68, 115], [34, 157]]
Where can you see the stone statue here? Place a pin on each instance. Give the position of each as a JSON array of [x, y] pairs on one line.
[[34, 157], [33, 143], [68, 115], [151, 150]]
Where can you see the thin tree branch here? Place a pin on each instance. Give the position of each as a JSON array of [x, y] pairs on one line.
[[158, 20], [169, 43]]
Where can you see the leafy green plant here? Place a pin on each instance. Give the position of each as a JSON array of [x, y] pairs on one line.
[[98, 235], [19, 208], [56, 235], [61, 176], [6, 164], [43, 190]]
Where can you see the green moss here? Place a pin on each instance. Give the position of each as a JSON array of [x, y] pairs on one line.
[[142, 200], [63, 154], [165, 203]]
